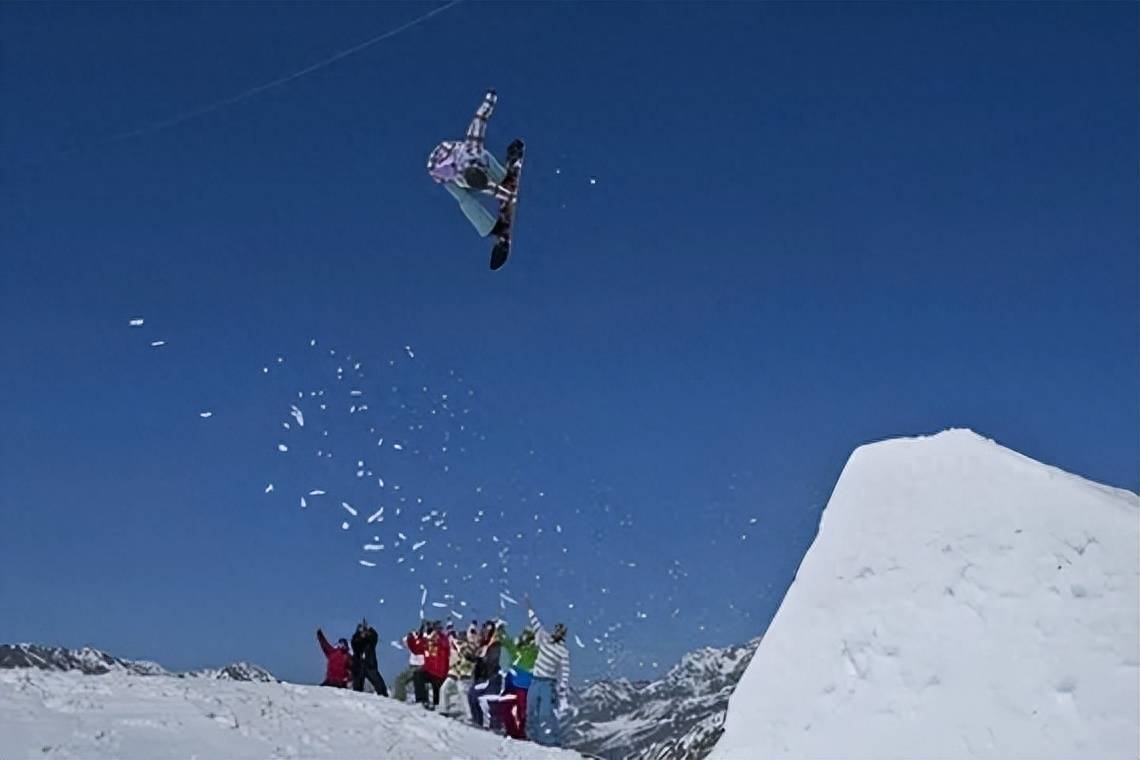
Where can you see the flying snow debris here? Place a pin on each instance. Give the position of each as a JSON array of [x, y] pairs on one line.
[[356, 393], [344, 526], [316, 492], [457, 614], [313, 342], [578, 641], [136, 322], [752, 521], [205, 415], [558, 528], [423, 597], [269, 488], [402, 536], [157, 343], [593, 180], [397, 447], [297, 416], [366, 563], [410, 352], [282, 447], [438, 604], [507, 598], [373, 547], [416, 546], [376, 515], [303, 503], [348, 508]]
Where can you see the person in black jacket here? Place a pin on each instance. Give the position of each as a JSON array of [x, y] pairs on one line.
[[487, 681], [364, 665]]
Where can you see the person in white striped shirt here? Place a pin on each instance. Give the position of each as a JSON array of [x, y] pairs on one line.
[[549, 691]]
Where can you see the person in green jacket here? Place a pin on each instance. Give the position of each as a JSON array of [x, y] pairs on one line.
[[522, 651]]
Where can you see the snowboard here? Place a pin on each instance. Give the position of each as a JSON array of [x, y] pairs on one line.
[[515, 154]]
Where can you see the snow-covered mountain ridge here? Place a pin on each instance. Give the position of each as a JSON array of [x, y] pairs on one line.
[[677, 717], [91, 661]]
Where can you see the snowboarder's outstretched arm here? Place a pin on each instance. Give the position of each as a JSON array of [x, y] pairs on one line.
[[478, 127], [540, 634], [326, 647]]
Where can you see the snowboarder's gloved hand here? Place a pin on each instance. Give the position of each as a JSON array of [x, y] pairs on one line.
[[476, 177]]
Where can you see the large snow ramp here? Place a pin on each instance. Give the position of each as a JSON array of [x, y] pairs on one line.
[[959, 601]]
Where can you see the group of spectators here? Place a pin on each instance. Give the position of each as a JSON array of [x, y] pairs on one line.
[[515, 685]]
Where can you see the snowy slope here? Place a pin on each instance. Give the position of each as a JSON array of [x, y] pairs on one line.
[[677, 717], [56, 715], [960, 600]]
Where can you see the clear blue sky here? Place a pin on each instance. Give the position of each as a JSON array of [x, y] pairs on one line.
[[813, 226]]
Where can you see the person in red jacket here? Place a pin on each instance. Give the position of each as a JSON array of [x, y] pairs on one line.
[[436, 650], [338, 671]]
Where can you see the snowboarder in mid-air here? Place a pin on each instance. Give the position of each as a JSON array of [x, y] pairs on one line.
[[467, 170]]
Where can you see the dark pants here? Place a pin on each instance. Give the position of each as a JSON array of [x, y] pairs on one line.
[[514, 712], [372, 673], [485, 688], [420, 683]]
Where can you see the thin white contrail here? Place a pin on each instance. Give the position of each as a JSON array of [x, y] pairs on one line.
[[246, 94]]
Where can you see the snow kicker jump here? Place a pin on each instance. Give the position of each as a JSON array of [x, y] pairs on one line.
[[469, 171]]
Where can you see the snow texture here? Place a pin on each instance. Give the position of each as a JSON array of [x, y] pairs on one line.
[[960, 600], [57, 715]]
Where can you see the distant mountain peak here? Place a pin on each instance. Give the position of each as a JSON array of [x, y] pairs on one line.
[[678, 717], [92, 661]]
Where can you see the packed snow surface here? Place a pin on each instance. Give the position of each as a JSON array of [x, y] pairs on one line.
[[960, 600], [128, 717]]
